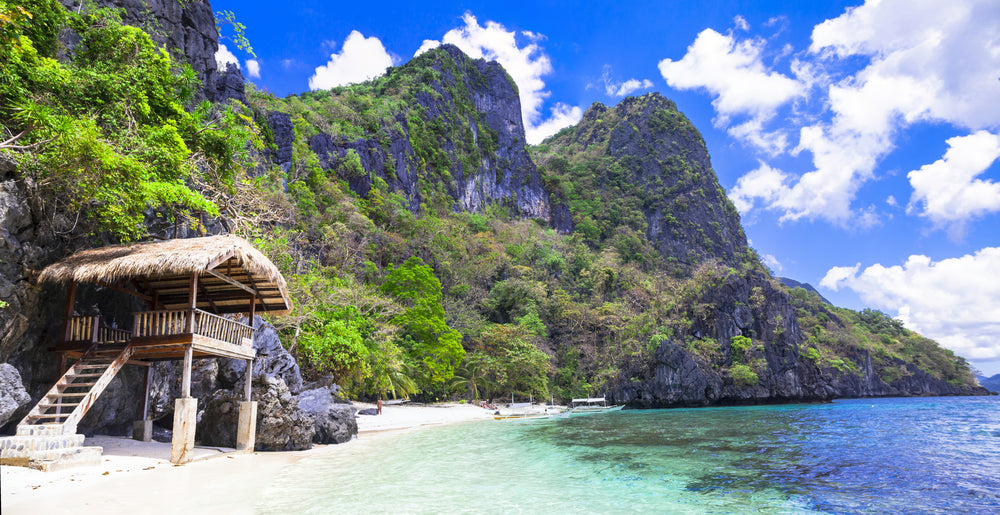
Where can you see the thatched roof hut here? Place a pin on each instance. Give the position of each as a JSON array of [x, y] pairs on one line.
[[230, 269]]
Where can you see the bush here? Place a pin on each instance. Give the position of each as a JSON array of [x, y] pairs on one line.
[[743, 375]]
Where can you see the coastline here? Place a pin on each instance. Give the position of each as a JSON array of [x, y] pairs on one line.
[[137, 477]]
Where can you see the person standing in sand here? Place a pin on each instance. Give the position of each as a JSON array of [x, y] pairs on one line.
[[379, 405]]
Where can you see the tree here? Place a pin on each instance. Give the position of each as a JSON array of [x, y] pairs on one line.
[[426, 337]]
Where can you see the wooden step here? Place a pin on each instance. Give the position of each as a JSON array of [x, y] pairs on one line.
[[71, 394], [67, 385], [83, 375], [54, 415], [92, 365], [44, 406]]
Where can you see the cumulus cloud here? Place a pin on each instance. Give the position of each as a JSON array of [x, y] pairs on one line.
[[947, 191], [526, 63], [223, 58], [938, 62], [765, 183], [772, 263], [621, 88], [253, 68], [734, 73], [360, 59], [953, 301]]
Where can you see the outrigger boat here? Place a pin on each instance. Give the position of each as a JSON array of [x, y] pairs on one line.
[[590, 405]]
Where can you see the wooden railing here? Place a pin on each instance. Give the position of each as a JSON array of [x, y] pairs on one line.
[[90, 329], [81, 328], [221, 328], [176, 321]]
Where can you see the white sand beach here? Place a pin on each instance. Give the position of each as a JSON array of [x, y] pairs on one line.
[[137, 477]]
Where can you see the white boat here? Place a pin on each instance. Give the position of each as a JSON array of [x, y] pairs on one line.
[[589, 405]]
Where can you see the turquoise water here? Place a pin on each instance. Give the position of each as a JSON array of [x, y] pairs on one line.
[[926, 455]]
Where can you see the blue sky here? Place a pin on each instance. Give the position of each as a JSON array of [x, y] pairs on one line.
[[860, 141]]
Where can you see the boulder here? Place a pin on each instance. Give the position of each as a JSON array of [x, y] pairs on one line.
[[13, 396], [368, 411], [272, 360], [333, 421], [281, 424]]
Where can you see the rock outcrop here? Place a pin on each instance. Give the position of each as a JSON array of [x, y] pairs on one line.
[[13, 397], [281, 424], [647, 151], [333, 421], [464, 133], [678, 376]]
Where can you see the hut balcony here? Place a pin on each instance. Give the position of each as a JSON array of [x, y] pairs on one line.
[[162, 334]]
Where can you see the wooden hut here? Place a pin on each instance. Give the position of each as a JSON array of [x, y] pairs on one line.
[[195, 291]]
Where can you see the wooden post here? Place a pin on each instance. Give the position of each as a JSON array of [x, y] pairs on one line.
[[145, 392], [68, 317], [193, 298], [253, 310], [186, 378], [142, 430]]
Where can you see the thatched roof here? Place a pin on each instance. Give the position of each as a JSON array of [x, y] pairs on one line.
[[158, 266]]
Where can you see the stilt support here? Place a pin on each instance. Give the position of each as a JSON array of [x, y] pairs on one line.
[[142, 430], [246, 433], [185, 421]]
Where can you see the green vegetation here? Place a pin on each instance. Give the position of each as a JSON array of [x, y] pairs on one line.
[[837, 337], [106, 136]]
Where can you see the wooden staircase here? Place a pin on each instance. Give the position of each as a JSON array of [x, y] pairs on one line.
[[77, 390], [46, 438]]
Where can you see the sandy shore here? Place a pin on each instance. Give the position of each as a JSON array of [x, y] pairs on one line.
[[137, 477]]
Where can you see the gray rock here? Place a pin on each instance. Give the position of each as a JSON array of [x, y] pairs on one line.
[[284, 135], [13, 397], [281, 424], [489, 109], [334, 422], [272, 360], [368, 411]]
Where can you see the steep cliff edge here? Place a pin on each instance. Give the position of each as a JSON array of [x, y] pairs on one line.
[[654, 178], [443, 130]]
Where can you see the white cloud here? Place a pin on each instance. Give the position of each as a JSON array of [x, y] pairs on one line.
[[253, 68], [954, 301], [628, 87], [764, 183], [360, 59], [947, 191], [620, 89], [773, 263], [561, 116], [732, 71], [741, 23], [223, 58], [919, 62], [526, 64], [428, 44]]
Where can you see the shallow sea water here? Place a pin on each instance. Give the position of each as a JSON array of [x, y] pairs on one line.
[[918, 455]]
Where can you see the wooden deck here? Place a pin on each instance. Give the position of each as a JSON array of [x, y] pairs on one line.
[[163, 335]]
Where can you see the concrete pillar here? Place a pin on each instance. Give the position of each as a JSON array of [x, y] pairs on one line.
[[142, 430], [185, 421], [246, 431]]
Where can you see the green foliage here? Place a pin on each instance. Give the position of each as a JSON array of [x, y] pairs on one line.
[[105, 135], [743, 375], [740, 346], [426, 337]]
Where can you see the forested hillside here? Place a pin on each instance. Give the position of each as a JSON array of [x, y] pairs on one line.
[[430, 251]]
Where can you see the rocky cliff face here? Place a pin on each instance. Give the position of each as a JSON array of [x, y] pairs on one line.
[[646, 151], [678, 375], [461, 134], [187, 30]]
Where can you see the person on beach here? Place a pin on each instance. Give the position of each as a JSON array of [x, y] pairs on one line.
[[379, 405]]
